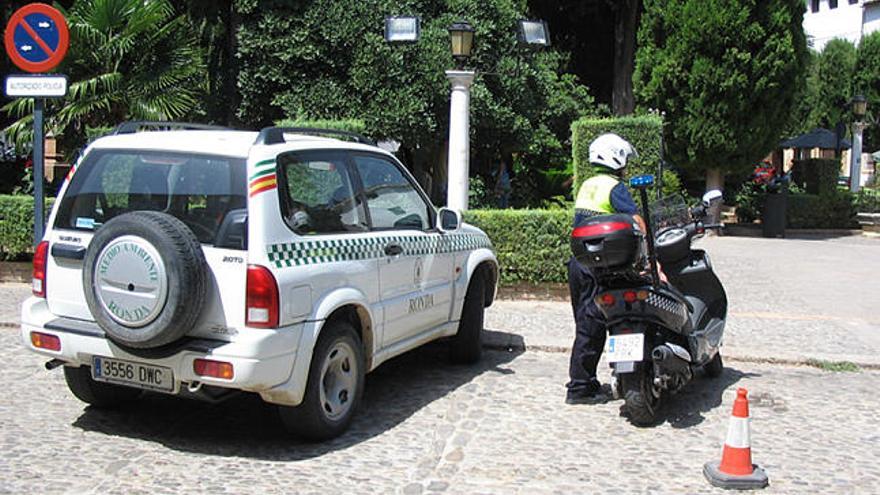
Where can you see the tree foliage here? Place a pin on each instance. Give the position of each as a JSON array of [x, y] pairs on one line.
[[326, 59], [128, 59], [725, 72], [830, 85], [867, 76]]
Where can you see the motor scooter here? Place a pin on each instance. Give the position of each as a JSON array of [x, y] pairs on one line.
[[660, 332]]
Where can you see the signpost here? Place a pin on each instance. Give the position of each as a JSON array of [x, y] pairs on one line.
[[36, 41]]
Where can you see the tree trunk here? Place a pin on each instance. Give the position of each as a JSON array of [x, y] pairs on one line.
[[626, 23], [714, 180]]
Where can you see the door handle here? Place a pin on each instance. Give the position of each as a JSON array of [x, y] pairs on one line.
[[393, 249], [69, 251]]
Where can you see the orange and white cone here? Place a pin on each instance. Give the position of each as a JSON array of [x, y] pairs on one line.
[[736, 469]]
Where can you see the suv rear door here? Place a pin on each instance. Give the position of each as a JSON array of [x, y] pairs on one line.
[[205, 192]]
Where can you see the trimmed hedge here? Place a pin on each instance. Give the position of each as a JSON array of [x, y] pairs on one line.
[[531, 245], [644, 132], [816, 175], [821, 211], [17, 226]]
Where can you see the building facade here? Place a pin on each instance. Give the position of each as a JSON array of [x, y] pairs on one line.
[[848, 19]]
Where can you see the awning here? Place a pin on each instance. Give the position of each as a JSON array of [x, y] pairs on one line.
[[817, 138]]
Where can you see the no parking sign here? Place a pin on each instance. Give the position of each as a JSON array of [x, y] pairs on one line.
[[36, 37], [36, 41]]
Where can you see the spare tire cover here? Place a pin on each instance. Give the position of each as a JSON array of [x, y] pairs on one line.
[[145, 279]]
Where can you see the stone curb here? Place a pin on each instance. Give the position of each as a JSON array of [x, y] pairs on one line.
[[556, 349]]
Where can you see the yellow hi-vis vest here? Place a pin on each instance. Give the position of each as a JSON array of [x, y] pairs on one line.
[[595, 194]]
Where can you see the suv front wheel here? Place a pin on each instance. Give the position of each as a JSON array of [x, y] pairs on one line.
[[466, 347], [334, 388]]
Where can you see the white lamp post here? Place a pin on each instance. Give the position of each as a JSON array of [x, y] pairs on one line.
[[860, 109], [461, 36]]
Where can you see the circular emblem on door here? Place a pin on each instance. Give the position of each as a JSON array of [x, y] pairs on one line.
[[130, 281]]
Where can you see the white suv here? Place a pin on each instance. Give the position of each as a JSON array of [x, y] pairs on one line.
[[201, 262]]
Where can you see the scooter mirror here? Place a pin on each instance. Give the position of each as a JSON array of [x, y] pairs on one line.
[[711, 197]]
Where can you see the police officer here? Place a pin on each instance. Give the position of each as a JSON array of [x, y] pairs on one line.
[[601, 194]]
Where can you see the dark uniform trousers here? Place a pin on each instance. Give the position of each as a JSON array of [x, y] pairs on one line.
[[589, 340]]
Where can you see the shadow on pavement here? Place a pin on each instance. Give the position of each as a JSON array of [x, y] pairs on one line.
[[686, 408], [245, 426]]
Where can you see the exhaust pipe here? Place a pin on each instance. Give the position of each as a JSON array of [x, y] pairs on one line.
[[672, 367], [51, 365]]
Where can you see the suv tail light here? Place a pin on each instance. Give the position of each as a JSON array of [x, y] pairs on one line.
[[41, 259], [261, 309]]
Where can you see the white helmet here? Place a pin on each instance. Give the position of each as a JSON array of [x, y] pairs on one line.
[[612, 151]]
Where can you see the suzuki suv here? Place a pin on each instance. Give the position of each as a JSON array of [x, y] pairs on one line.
[[198, 262]]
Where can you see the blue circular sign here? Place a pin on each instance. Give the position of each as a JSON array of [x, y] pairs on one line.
[[36, 37]]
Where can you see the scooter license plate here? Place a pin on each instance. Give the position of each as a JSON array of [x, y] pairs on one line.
[[628, 347]]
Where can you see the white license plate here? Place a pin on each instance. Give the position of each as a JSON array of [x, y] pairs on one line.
[[628, 347], [133, 374]]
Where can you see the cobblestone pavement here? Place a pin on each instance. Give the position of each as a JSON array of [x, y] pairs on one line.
[[500, 427], [427, 426]]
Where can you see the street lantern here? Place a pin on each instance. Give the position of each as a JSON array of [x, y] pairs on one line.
[[533, 33], [402, 29], [461, 35], [859, 106], [859, 109]]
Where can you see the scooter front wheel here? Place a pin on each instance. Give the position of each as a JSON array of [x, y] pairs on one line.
[[641, 398]]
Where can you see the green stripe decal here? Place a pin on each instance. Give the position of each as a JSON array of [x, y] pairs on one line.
[[261, 173], [313, 252]]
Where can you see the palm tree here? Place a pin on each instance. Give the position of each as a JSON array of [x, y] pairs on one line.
[[128, 59]]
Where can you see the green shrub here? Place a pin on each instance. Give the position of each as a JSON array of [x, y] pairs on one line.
[[348, 125], [749, 201], [816, 175], [828, 211], [644, 132], [868, 201], [531, 245], [17, 226]]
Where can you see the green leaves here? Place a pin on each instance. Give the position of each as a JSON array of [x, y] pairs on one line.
[[128, 59], [725, 72]]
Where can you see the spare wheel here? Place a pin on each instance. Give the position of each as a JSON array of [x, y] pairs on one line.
[[145, 279]]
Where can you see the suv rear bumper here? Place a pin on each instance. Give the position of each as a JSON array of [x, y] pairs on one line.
[[262, 359]]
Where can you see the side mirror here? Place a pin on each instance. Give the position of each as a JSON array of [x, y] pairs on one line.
[[448, 220], [711, 197]]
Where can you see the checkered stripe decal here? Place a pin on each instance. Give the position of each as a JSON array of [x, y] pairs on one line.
[[333, 250], [668, 305]]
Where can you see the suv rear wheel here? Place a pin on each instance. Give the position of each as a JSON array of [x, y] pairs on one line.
[[99, 394], [334, 388]]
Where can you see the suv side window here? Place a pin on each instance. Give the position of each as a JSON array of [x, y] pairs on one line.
[[392, 200], [318, 196]]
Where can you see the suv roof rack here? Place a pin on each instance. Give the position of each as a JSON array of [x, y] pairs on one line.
[[135, 125], [275, 135]]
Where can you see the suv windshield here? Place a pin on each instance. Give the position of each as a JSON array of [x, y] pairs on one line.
[[200, 190]]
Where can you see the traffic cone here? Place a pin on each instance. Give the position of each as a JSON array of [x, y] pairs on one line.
[[736, 469]]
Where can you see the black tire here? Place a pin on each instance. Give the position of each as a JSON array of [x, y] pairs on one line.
[[186, 278], [640, 404], [313, 419], [104, 395], [466, 347], [715, 367]]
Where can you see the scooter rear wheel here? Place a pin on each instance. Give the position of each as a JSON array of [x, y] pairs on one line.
[[715, 367], [641, 400]]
